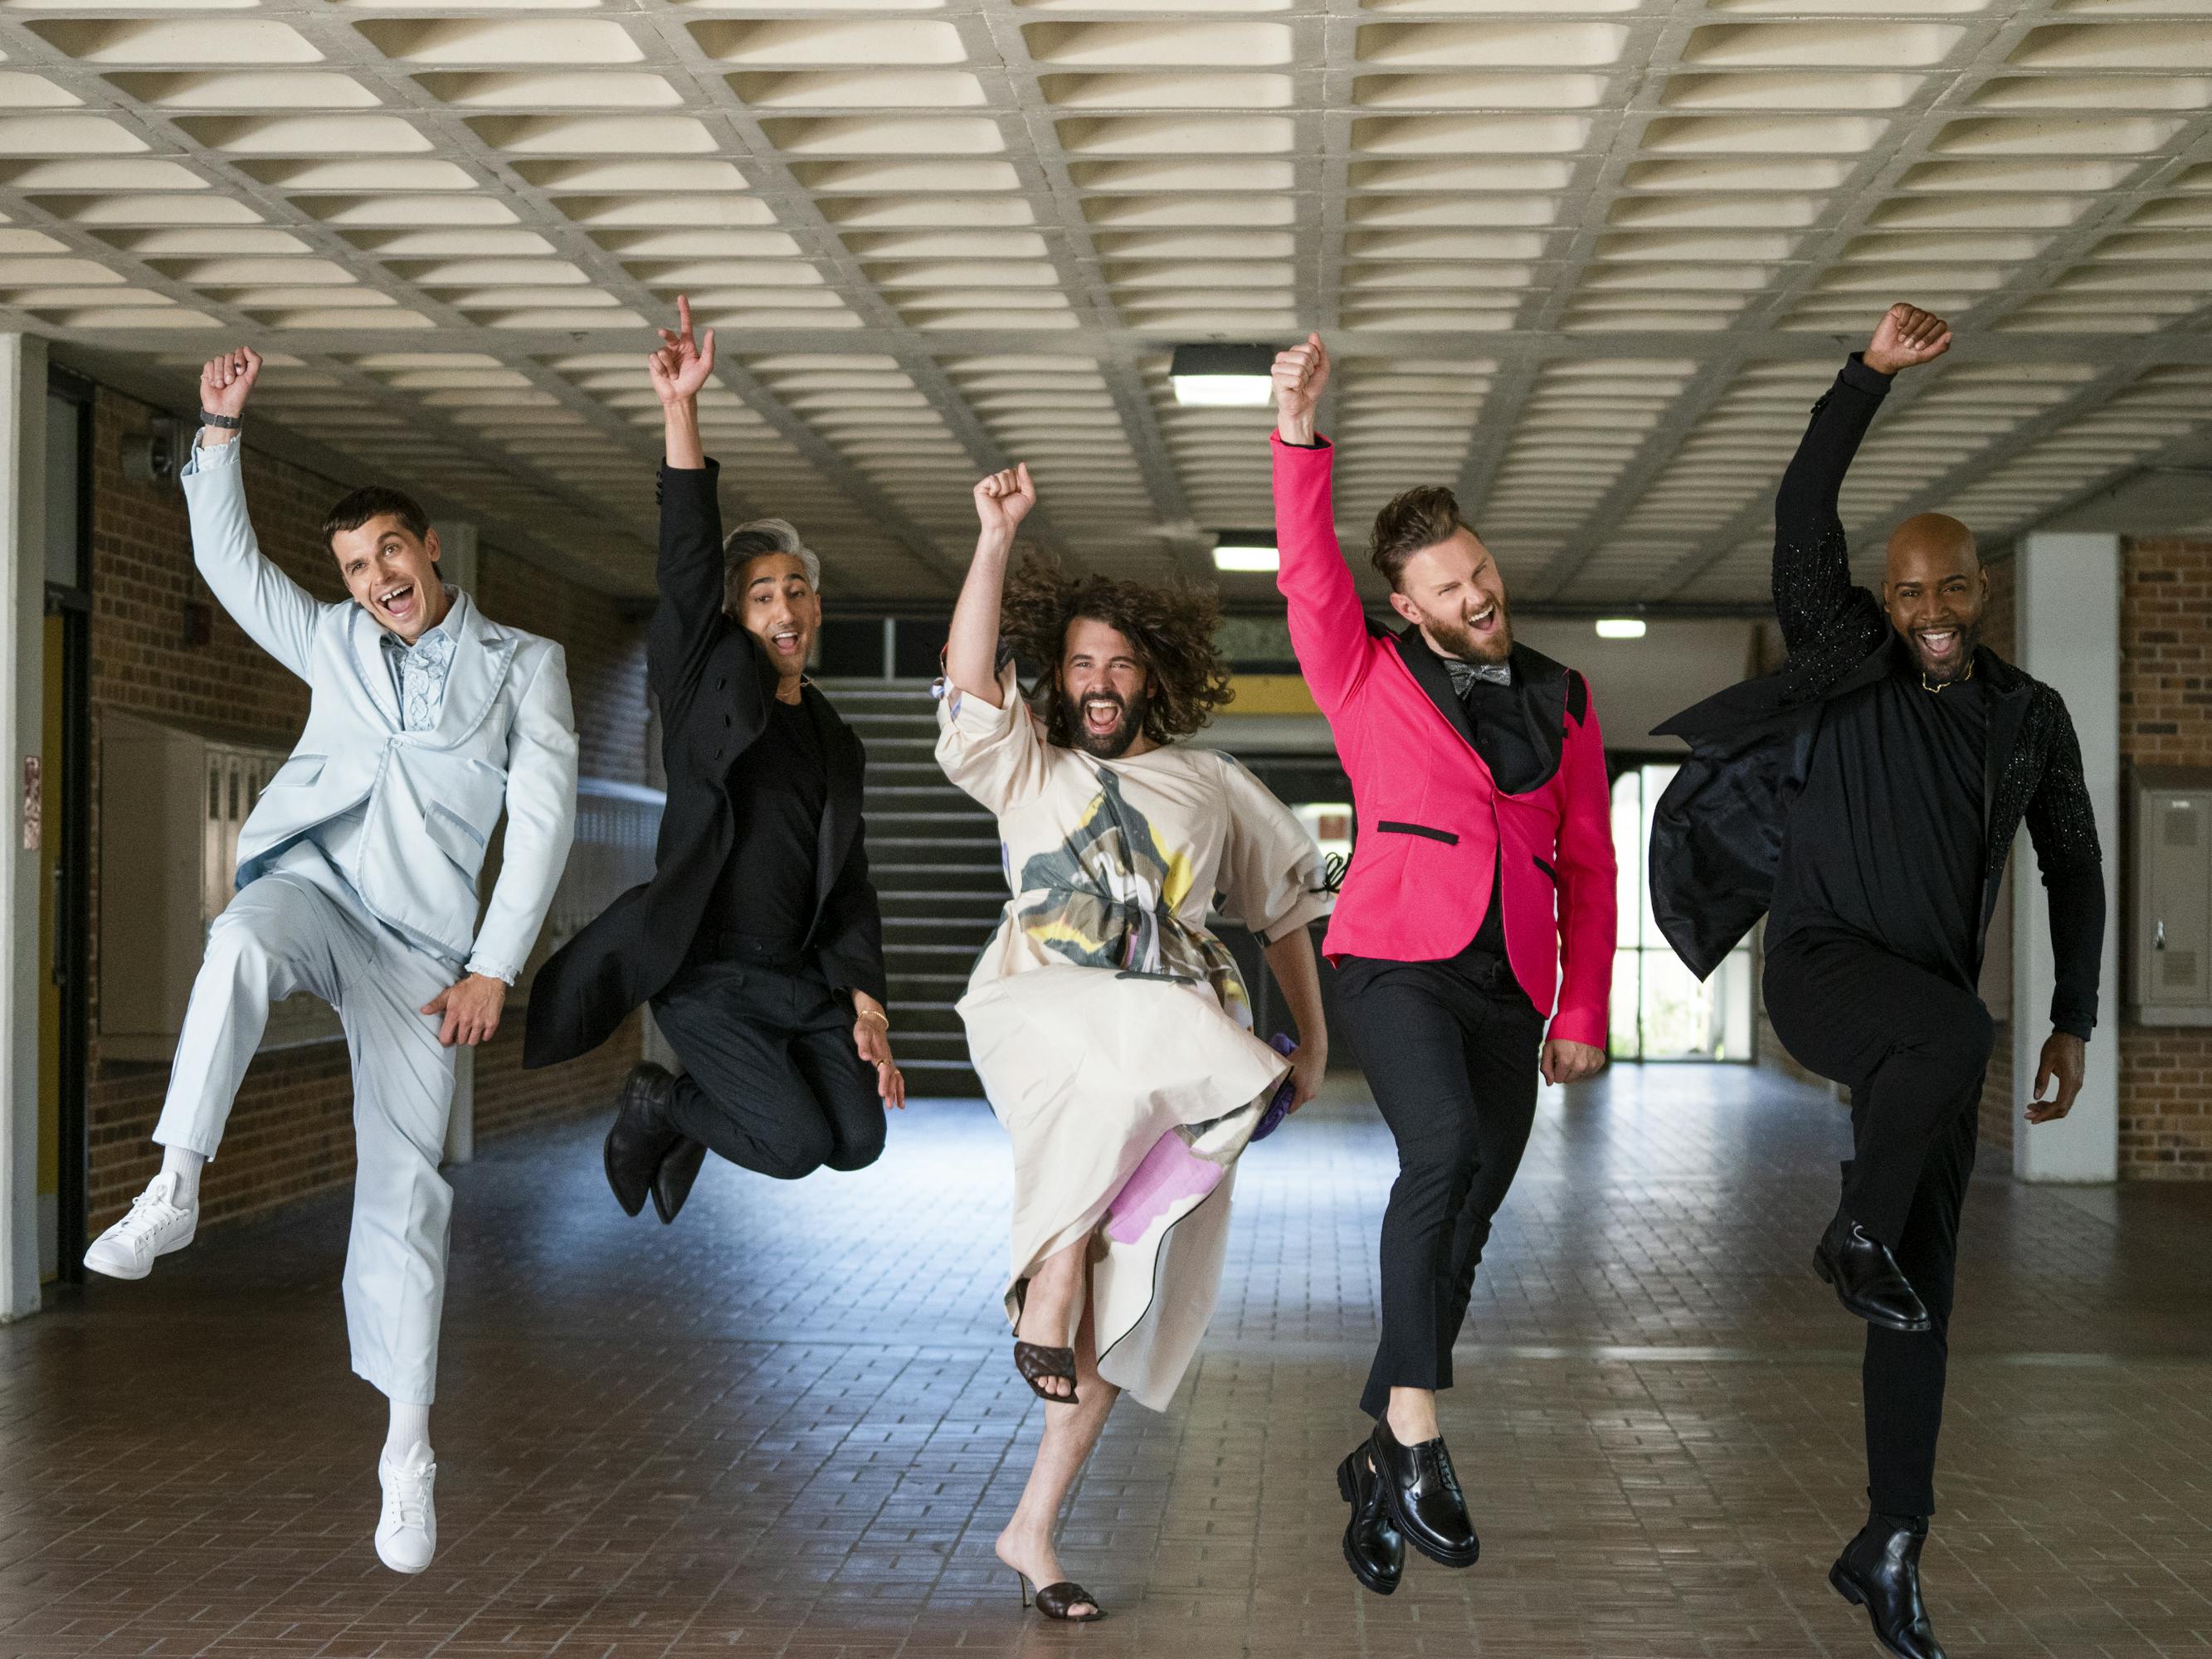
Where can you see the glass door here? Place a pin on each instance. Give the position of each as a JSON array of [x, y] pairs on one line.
[[1660, 1011]]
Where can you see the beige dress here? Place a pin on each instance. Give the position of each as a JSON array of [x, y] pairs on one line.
[[1111, 1031]]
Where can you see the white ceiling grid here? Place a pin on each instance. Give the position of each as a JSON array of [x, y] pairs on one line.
[[1589, 262]]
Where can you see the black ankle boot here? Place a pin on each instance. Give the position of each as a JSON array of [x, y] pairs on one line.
[[1421, 1492], [672, 1181], [643, 1135], [1373, 1546], [1867, 1278], [1880, 1571]]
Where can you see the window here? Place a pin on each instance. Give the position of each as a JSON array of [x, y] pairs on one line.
[[1660, 1011]]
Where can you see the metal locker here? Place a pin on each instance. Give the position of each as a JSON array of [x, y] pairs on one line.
[[2170, 950]]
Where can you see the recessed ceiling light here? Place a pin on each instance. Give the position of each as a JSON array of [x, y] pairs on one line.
[[1246, 551], [1223, 376], [1620, 627]]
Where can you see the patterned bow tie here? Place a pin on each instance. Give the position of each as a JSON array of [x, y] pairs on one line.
[[1465, 674]]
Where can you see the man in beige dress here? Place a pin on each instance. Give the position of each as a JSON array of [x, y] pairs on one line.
[[1111, 1030]]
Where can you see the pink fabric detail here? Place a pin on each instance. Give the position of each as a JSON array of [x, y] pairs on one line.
[[1170, 1173]]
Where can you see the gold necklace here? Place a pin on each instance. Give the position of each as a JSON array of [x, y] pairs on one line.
[[1941, 686]]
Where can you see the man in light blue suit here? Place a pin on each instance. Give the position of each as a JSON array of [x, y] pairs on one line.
[[357, 884]]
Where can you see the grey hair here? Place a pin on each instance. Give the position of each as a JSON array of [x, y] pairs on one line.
[[750, 541]]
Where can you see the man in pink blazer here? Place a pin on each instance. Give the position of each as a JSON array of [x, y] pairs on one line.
[[1480, 903]]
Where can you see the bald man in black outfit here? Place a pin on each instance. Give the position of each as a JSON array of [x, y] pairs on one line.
[[1867, 796]]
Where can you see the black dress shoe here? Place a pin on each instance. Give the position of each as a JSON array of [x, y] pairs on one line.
[[672, 1181], [641, 1136], [1880, 1571], [1421, 1494], [1867, 1278], [1373, 1546]]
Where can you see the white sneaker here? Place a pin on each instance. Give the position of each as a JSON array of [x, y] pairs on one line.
[[407, 1534], [157, 1225]]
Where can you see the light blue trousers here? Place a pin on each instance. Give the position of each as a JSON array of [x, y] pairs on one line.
[[301, 928]]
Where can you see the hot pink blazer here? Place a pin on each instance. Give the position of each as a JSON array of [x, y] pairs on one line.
[[1432, 824]]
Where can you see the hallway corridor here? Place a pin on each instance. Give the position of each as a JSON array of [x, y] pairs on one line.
[[789, 1424]]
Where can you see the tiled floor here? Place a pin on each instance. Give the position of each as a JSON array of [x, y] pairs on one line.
[[788, 1425]]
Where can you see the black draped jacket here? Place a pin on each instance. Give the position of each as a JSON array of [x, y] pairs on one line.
[[1717, 833], [713, 681]]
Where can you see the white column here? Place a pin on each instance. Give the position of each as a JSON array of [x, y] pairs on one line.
[[22, 695], [456, 563], [2069, 638]]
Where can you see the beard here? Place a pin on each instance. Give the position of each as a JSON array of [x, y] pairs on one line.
[[1458, 639], [1113, 743], [1970, 637]]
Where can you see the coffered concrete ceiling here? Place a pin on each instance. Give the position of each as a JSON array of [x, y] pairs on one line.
[[1589, 263]]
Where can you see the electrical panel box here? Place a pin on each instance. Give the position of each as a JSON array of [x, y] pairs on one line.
[[172, 803], [2170, 949]]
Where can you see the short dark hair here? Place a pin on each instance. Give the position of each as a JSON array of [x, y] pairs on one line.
[[375, 502], [1420, 518]]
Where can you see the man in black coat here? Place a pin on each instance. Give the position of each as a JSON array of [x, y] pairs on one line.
[[758, 941], [1867, 796]]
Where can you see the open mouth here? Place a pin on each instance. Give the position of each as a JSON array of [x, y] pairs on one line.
[[1484, 621], [785, 641], [399, 603], [1102, 716], [1940, 647]]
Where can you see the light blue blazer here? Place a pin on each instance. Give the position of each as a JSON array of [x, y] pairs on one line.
[[506, 738]]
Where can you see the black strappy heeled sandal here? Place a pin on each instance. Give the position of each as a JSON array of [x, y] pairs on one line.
[[1035, 1362], [1054, 1601]]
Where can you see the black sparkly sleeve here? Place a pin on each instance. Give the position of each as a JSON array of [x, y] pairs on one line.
[[2062, 824], [1812, 591]]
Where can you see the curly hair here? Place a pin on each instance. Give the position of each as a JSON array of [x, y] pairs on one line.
[[1171, 626]]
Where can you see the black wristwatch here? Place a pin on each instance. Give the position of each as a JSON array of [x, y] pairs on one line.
[[229, 422]]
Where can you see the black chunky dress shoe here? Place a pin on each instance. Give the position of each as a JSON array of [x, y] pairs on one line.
[[1880, 1571], [1374, 1548], [1421, 1494], [1867, 1278], [642, 1135]]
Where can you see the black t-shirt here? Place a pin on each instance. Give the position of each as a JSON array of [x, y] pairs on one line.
[[779, 795], [1886, 842]]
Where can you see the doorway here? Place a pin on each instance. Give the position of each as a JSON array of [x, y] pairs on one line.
[[64, 786], [1660, 1011]]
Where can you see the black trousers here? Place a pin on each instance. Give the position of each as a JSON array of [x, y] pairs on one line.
[[1912, 1047], [1450, 1050], [772, 1081]]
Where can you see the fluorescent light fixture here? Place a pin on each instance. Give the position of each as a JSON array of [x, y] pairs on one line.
[[1223, 376], [1620, 627], [1246, 550]]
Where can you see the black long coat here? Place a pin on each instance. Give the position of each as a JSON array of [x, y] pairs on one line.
[[713, 683], [1716, 834]]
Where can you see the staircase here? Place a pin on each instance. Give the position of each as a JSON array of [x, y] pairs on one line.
[[933, 854]]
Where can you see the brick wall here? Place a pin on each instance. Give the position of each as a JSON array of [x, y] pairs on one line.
[[290, 1133], [2166, 720]]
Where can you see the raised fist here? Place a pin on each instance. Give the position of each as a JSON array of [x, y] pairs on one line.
[[681, 365], [1004, 500], [226, 380], [1300, 373], [1906, 337]]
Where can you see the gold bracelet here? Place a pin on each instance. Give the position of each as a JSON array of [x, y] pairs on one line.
[[878, 1014]]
